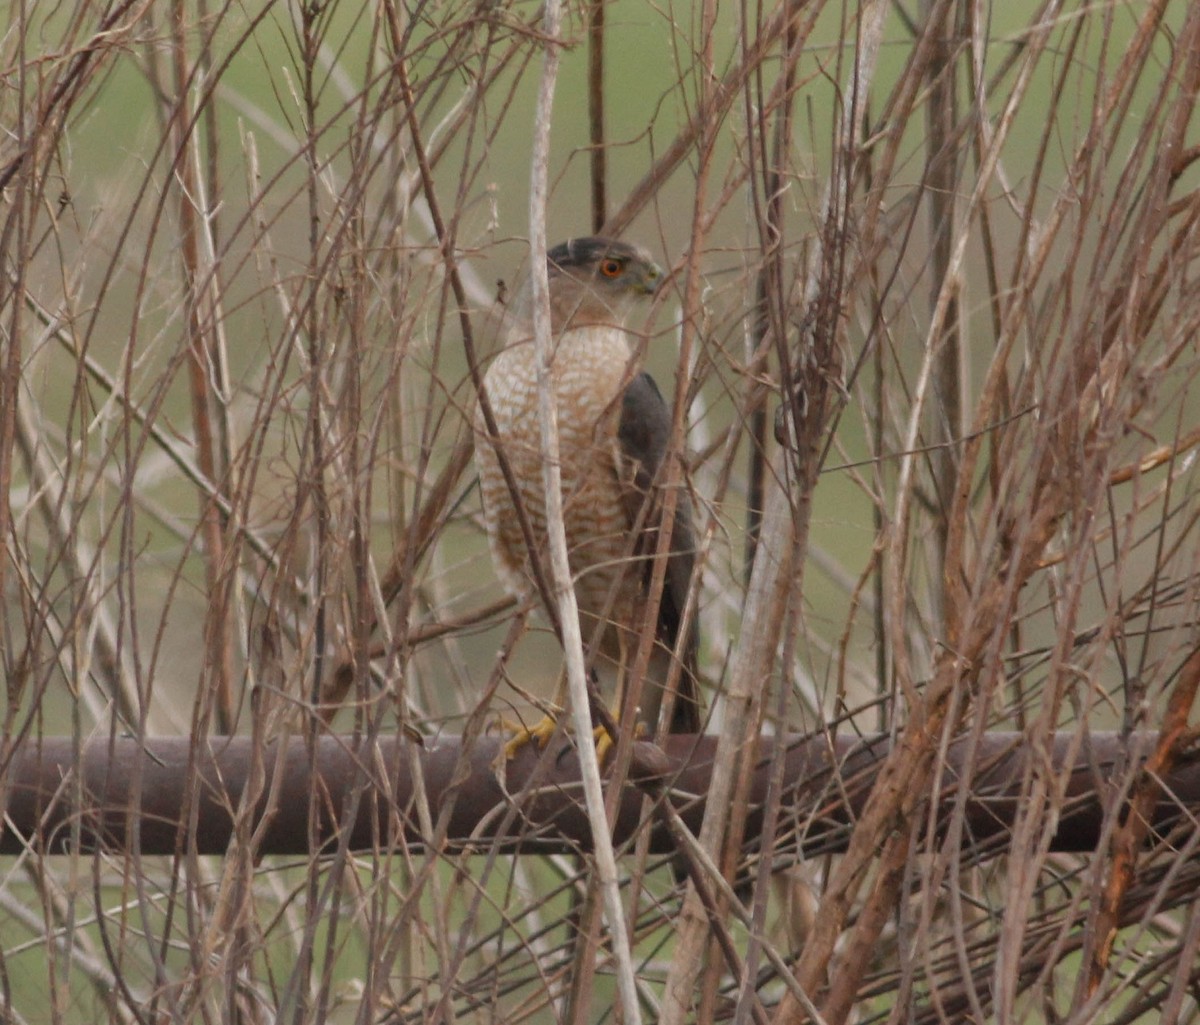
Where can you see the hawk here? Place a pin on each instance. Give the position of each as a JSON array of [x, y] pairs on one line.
[[613, 430]]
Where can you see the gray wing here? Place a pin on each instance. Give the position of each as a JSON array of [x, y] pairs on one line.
[[644, 432]]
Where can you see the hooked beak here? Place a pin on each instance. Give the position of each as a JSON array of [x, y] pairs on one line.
[[650, 280]]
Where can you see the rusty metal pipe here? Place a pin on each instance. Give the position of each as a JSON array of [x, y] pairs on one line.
[[144, 794]]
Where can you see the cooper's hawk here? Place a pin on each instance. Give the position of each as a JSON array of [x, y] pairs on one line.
[[613, 432]]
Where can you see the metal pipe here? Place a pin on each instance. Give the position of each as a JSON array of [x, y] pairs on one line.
[[145, 793]]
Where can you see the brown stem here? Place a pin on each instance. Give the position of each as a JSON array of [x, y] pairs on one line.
[[598, 156], [201, 360]]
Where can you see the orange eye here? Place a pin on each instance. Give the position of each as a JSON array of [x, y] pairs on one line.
[[611, 268]]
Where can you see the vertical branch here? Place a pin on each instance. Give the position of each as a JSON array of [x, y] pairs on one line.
[[767, 153], [941, 181], [298, 992], [13, 234], [767, 314], [560, 570], [599, 155], [816, 363], [201, 359], [310, 45], [773, 575], [210, 196]]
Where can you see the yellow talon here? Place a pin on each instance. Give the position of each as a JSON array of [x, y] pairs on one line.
[[539, 733], [604, 744]]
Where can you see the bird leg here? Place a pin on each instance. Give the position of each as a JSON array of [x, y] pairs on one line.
[[625, 653], [644, 715], [539, 733], [542, 731]]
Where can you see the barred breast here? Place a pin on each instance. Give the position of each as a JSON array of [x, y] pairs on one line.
[[589, 367]]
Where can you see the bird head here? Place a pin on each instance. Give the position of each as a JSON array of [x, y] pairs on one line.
[[598, 280]]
